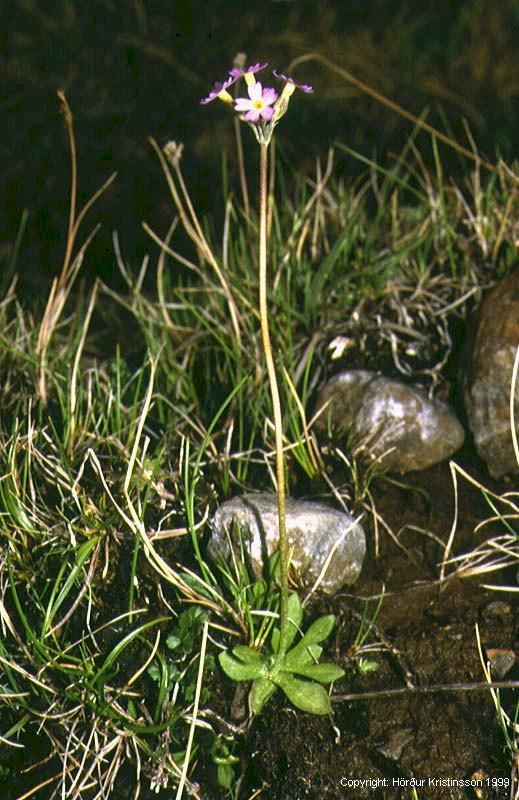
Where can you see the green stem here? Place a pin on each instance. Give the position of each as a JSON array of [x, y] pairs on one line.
[[276, 404]]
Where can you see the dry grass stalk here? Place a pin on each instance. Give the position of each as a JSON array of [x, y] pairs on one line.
[[62, 285]]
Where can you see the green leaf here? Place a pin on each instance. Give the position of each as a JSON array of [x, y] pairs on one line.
[[367, 665], [164, 674], [238, 671], [317, 632], [302, 658], [225, 776], [189, 628], [247, 654], [154, 672], [295, 618], [305, 695], [55, 603], [116, 651], [261, 692], [258, 592], [323, 673], [197, 584]]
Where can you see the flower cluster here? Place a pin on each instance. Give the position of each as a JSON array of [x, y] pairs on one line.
[[264, 107]]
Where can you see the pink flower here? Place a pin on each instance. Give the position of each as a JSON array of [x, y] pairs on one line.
[[305, 87], [220, 90], [239, 73], [258, 104]]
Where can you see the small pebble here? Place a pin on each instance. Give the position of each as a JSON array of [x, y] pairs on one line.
[[497, 608], [501, 661], [396, 741]]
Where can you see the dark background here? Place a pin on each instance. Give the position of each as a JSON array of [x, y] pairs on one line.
[[132, 69]]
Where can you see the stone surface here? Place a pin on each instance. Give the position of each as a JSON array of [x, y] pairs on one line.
[[497, 609], [489, 376], [398, 424], [313, 531], [395, 743], [501, 661]]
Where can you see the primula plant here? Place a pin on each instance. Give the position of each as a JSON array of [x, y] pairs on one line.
[[262, 110], [279, 669]]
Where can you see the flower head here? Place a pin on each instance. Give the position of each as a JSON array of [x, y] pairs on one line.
[[305, 87], [173, 152], [220, 90], [258, 105], [288, 90], [247, 73], [263, 108]]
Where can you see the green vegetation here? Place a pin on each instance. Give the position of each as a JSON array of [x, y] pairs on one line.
[[115, 449]]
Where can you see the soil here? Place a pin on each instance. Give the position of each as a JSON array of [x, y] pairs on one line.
[[427, 636]]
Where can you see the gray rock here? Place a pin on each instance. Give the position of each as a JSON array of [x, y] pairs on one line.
[[394, 745], [399, 425], [489, 377], [313, 530], [497, 609], [501, 661]]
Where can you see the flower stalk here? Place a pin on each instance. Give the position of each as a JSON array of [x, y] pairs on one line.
[[276, 402]]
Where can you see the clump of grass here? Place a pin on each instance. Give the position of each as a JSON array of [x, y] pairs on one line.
[[79, 632]]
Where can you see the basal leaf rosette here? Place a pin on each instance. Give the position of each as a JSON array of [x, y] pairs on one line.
[[298, 673]]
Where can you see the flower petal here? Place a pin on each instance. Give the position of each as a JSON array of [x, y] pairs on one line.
[[239, 73], [255, 91], [305, 87], [242, 104], [218, 88], [252, 115], [269, 96], [267, 113]]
